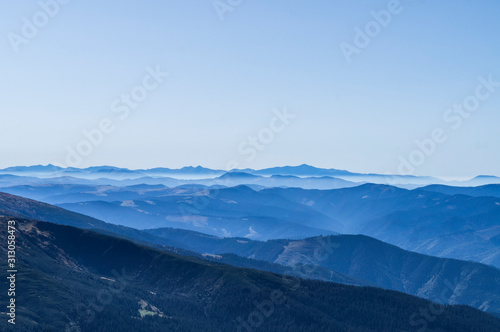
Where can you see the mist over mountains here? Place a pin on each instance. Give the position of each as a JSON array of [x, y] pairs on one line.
[[447, 221], [192, 174], [226, 232]]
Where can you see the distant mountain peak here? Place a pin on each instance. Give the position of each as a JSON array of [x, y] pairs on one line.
[[242, 188], [486, 177], [302, 170], [194, 167], [48, 167], [238, 175]]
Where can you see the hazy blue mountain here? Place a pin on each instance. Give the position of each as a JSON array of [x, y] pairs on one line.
[[349, 259], [60, 193], [429, 222], [44, 193], [310, 171], [461, 227], [36, 168], [11, 180], [486, 190], [21, 207], [119, 177], [480, 180], [16, 206], [237, 211], [421, 220], [8, 180], [302, 170], [112, 172], [189, 172], [236, 175], [196, 174], [232, 179]]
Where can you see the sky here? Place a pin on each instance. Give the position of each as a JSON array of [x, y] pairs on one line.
[[406, 87]]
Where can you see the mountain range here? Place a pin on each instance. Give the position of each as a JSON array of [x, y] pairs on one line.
[[421, 220], [348, 259], [190, 174], [294, 248]]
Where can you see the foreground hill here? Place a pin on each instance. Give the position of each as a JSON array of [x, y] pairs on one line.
[[76, 279], [445, 280]]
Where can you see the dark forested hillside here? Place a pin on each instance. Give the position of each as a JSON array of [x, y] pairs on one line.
[[95, 282], [366, 259]]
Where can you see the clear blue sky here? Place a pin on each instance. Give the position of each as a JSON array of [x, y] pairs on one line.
[[227, 76]]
